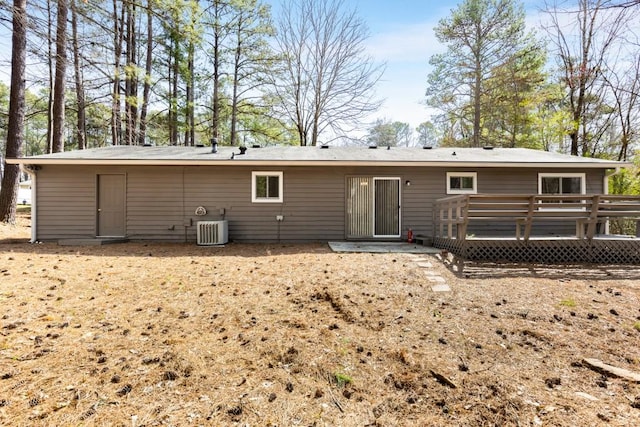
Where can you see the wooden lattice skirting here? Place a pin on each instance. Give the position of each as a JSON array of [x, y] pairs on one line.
[[598, 251]]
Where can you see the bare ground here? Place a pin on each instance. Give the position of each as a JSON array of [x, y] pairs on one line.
[[166, 334]]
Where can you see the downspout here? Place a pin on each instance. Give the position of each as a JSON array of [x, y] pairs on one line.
[[605, 189], [184, 221], [31, 170], [606, 178]]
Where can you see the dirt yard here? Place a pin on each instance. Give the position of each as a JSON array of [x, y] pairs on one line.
[[284, 335]]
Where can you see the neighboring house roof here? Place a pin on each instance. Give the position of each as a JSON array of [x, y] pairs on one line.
[[315, 156]]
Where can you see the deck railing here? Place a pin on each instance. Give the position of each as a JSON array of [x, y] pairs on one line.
[[454, 214]]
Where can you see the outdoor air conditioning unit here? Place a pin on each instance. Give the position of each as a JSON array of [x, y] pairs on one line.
[[213, 232]]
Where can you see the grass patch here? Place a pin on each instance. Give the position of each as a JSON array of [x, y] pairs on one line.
[[636, 326], [342, 379], [570, 302], [23, 209]]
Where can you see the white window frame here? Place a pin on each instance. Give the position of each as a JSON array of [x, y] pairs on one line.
[[473, 175], [583, 186], [254, 196], [582, 176]]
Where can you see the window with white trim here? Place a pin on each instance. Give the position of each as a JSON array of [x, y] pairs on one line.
[[266, 187], [462, 182], [561, 183]]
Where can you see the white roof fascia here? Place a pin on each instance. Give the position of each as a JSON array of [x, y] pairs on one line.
[[229, 162]]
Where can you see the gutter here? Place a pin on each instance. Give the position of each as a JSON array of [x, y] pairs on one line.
[[312, 163]]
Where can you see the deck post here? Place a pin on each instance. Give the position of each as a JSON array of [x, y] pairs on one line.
[[459, 225], [529, 221], [463, 218], [593, 217]]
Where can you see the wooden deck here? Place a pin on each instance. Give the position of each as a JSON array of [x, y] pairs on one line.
[[585, 218]]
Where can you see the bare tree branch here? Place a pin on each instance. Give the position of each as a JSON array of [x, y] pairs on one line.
[[327, 81]]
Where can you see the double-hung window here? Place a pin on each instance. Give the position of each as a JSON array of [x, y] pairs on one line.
[[462, 183], [564, 183], [561, 184], [266, 187]]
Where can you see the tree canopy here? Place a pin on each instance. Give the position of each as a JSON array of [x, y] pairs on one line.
[[483, 84]]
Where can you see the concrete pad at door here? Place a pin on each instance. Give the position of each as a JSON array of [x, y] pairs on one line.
[[382, 247], [425, 265]]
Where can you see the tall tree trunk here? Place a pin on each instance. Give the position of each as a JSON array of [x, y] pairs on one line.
[[147, 79], [170, 114], [582, 76], [217, 30], [15, 131], [116, 120], [51, 64], [81, 132], [234, 97], [173, 120], [477, 93], [131, 80], [189, 132], [61, 76]]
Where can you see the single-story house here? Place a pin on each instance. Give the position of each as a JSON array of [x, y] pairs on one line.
[[282, 193]]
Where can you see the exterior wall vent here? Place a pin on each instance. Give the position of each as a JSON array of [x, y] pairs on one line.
[[211, 233]]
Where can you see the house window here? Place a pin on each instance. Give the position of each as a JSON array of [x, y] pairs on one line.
[[266, 187], [462, 182], [565, 183]]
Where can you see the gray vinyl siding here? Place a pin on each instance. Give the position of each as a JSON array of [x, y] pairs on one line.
[[312, 207], [161, 201], [154, 204], [65, 203]]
